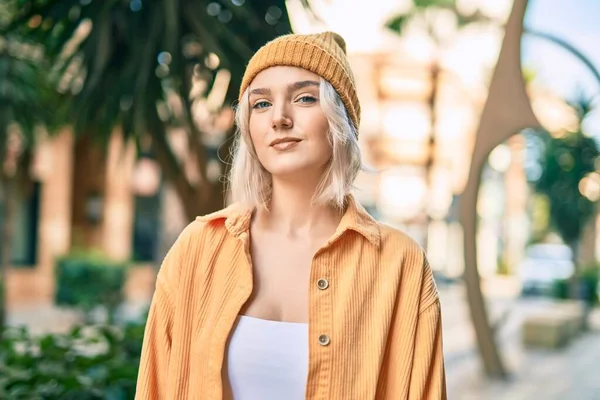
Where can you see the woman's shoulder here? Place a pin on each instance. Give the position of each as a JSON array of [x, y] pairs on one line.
[[201, 236], [396, 240], [235, 218], [412, 259], [226, 218], [221, 214], [400, 247]]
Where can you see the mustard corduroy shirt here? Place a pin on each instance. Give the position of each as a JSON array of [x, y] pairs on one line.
[[380, 313]]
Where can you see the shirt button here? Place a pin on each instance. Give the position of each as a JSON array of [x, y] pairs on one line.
[[322, 283], [324, 340]]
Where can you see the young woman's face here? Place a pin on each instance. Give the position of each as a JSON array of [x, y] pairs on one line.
[[287, 125]]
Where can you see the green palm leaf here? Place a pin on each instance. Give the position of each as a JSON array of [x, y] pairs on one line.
[[25, 94], [419, 8], [122, 61]]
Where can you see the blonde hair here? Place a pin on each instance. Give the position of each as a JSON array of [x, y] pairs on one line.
[[250, 182]]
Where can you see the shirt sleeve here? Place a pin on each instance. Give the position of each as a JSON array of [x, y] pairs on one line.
[[428, 378], [156, 347]]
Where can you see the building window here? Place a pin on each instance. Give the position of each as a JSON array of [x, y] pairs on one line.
[[146, 228], [25, 230]]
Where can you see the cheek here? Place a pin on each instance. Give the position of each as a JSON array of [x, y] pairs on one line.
[[322, 127], [256, 130]]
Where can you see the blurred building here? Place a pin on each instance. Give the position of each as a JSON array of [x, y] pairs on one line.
[[421, 107], [421, 104], [86, 198], [418, 151]]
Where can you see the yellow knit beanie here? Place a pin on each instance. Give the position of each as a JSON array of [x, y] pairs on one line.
[[323, 54]]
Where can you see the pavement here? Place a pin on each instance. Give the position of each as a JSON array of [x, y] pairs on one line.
[[570, 373]]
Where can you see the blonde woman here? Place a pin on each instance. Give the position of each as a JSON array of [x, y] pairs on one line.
[[294, 291]]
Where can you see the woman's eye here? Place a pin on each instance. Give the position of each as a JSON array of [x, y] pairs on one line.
[[261, 104], [307, 99]]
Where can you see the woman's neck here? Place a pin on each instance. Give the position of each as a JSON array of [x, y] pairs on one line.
[[292, 213]]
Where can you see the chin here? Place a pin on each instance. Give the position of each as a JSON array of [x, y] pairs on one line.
[[288, 170], [294, 168]]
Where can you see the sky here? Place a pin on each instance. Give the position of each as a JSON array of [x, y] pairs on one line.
[[578, 23]]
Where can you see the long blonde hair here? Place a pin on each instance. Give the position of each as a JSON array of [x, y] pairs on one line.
[[250, 182]]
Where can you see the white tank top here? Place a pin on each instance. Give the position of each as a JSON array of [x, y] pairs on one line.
[[267, 359]]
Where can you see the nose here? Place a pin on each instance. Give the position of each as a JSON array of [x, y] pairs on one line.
[[281, 118]]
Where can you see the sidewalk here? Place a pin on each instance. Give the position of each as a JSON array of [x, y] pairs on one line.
[[571, 373]]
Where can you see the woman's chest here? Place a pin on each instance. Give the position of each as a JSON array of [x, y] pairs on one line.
[[293, 283], [281, 272]]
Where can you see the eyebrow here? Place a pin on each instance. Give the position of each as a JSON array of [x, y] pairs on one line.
[[291, 87]]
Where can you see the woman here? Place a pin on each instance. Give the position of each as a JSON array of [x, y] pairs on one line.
[[294, 291]]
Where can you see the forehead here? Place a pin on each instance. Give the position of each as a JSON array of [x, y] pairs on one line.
[[281, 76]]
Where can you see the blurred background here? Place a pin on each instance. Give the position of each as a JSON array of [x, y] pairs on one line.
[[480, 123]]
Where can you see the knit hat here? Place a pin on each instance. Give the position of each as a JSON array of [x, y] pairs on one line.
[[323, 54]]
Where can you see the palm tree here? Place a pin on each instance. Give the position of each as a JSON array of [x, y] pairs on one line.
[[569, 181], [147, 65], [25, 96]]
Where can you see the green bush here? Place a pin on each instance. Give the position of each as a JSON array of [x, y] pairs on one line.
[[588, 285], [590, 276], [88, 363], [560, 289], [88, 280]]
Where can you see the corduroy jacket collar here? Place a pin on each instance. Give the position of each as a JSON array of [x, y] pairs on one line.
[[356, 218]]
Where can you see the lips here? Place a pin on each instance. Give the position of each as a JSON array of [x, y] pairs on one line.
[[285, 143]]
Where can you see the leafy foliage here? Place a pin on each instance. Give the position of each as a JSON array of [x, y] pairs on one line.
[[565, 162], [398, 23], [22, 86], [144, 66], [87, 281], [434, 3], [87, 363], [571, 184], [120, 58], [25, 91], [588, 285], [425, 11], [25, 98]]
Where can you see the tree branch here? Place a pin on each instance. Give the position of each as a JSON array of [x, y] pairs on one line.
[[194, 134]]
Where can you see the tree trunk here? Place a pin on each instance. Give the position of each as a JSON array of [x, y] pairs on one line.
[[574, 284], [578, 288], [200, 199], [8, 197], [213, 194]]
